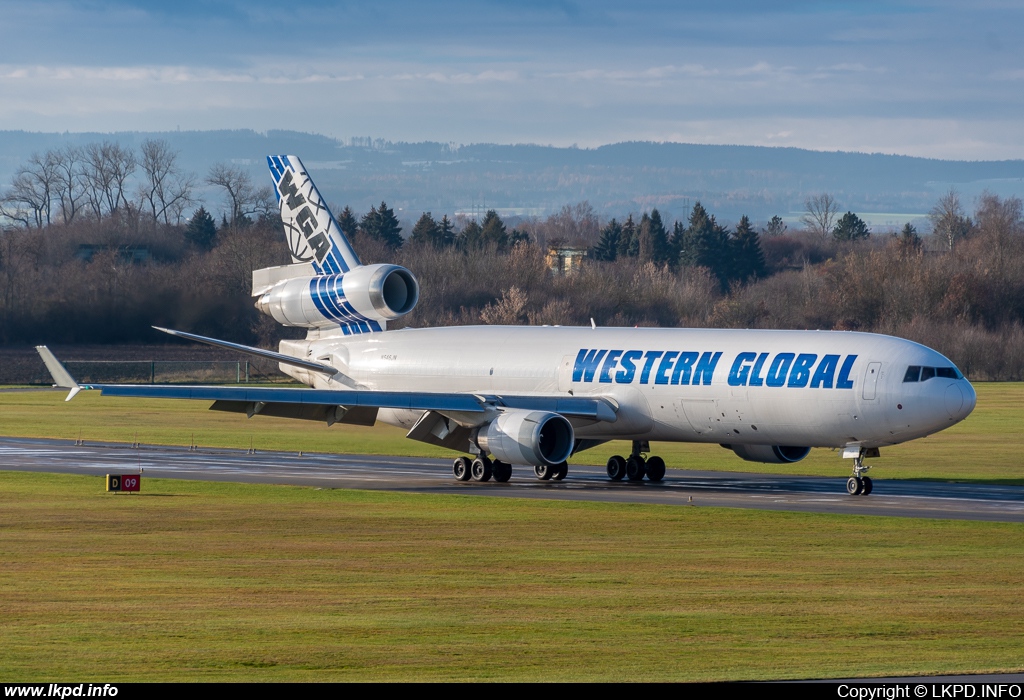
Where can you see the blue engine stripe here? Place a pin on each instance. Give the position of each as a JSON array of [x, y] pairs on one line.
[[316, 298], [330, 298]]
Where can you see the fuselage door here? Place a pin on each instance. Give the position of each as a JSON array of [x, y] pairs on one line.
[[871, 380]]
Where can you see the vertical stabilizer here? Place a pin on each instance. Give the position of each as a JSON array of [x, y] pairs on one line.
[[313, 235]]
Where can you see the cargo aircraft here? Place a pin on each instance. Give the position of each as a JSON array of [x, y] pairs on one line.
[[534, 396]]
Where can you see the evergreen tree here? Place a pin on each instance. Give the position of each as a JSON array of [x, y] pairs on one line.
[[706, 244], [383, 225], [471, 237], [201, 229], [493, 230], [676, 242], [645, 246], [909, 241], [446, 232], [518, 236], [776, 227], [629, 244], [747, 254], [850, 228], [348, 224], [607, 247], [426, 231], [661, 249]]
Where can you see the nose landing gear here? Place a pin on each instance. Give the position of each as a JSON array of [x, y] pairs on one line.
[[859, 485]]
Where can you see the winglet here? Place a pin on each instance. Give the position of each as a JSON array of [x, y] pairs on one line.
[[61, 377]]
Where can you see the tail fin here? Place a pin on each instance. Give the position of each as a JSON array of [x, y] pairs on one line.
[[313, 234]]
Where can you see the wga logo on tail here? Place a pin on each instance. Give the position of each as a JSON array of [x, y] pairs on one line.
[[307, 238]]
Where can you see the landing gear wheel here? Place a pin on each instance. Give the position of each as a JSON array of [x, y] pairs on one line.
[[867, 485], [616, 468], [560, 471], [544, 472], [854, 486], [461, 468], [655, 469], [635, 468], [502, 471], [481, 469]]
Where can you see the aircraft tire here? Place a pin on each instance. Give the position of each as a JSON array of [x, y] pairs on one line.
[[462, 469], [655, 469], [635, 468], [544, 472], [616, 468], [868, 486], [854, 486], [482, 469], [502, 471], [561, 471]]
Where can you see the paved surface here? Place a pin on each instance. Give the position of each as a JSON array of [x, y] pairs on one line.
[[921, 499]]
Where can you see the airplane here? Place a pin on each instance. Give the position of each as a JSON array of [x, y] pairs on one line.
[[534, 396]]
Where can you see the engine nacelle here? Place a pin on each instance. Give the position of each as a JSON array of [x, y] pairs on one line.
[[370, 294], [528, 437], [771, 454]]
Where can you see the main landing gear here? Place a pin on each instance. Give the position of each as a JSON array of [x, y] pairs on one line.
[[858, 485], [555, 473], [481, 469], [636, 467]]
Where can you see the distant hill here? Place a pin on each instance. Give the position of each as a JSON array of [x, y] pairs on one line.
[[532, 179]]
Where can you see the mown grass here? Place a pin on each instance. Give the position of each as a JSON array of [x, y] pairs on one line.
[[985, 447], [207, 581]]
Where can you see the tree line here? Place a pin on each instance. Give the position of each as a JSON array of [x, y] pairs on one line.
[[74, 273]]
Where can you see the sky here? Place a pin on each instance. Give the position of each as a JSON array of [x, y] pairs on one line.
[[926, 78]]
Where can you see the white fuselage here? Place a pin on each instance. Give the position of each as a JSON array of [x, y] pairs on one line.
[[754, 387]]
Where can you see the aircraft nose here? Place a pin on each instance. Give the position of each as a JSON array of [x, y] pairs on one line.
[[959, 400], [970, 400]]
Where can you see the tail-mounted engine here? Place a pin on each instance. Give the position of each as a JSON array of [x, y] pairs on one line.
[[770, 454], [364, 298], [528, 437]]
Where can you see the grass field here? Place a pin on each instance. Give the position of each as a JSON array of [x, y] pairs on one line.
[[206, 581], [985, 447]]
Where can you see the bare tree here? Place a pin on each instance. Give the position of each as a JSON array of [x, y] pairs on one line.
[[507, 311], [69, 180], [166, 190], [264, 203], [821, 213], [238, 187], [30, 199], [576, 223], [999, 217], [948, 220], [107, 169]]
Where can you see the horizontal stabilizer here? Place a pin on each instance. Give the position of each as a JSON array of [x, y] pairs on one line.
[[61, 377]]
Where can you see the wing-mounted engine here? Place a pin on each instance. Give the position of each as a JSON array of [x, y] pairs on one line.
[[770, 454], [363, 299], [528, 437]]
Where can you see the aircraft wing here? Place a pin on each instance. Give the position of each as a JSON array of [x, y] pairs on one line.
[[265, 399]]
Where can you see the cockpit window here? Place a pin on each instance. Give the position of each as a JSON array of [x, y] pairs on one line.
[[923, 374]]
